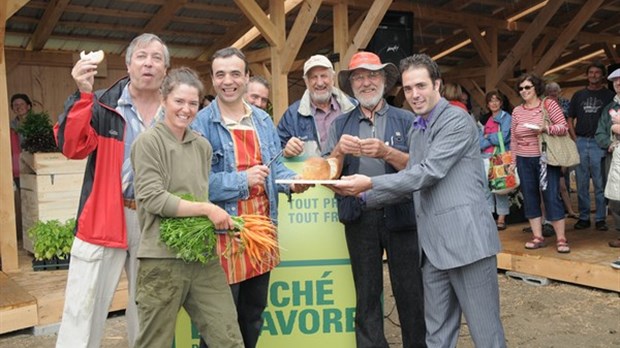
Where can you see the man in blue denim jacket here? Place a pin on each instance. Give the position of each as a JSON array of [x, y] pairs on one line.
[[244, 140], [309, 118]]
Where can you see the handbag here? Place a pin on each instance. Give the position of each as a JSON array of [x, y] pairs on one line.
[[561, 150], [501, 180]]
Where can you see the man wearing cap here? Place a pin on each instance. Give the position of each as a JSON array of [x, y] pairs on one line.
[[585, 110], [372, 139], [607, 139], [457, 235], [309, 118]]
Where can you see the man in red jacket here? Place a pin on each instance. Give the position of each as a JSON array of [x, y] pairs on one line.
[[102, 126]]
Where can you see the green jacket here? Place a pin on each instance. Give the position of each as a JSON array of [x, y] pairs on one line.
[[165, 167], [603, 134]]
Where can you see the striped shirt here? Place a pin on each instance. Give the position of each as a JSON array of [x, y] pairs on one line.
[[525, 141]]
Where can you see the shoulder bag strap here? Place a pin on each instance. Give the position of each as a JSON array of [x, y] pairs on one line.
[[500, 138]]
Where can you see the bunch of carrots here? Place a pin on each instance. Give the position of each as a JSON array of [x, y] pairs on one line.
[[194, 239], [256, 236]]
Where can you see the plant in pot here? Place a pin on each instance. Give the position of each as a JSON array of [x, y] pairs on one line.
[[52, 241], [37, 133]]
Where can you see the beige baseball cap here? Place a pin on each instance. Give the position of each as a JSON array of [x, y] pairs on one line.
[[317, 60]]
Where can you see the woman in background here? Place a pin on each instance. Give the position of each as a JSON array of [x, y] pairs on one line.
[[498, 123], [526, 127]]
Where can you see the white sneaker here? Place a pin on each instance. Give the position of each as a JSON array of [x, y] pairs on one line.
[[615, 264]]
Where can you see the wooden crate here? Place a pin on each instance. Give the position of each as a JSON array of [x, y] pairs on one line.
[[50, 189]]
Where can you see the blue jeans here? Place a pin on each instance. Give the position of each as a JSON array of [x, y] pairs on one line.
[[529, 172], [366, 240], [590, 156]]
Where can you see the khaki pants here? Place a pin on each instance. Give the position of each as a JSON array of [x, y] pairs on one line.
[[166, 285], [93, 277]]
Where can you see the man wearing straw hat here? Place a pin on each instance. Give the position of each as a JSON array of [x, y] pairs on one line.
[[372, 140]]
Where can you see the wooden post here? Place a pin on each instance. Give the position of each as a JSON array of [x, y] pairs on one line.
[[8, 233]]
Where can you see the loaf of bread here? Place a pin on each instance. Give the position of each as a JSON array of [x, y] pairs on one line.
[[318, 168], [96, 56]]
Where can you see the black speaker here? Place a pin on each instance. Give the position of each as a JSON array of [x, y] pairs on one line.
[[393, 39]]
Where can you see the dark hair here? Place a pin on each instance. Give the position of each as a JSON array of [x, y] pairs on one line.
[[538, 83], [178, 76], [143, 40], [229, 52], [597, 65], [494, 93], [22, 96], [209, 97], [421, 61], [259, 79]]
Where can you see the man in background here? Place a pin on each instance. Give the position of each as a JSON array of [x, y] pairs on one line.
[[584, 113], [309, 118], [257, 92]]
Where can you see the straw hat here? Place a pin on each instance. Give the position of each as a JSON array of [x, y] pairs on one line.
[[368, 61]]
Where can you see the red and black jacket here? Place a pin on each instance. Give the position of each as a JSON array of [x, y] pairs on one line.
[[91, 126]]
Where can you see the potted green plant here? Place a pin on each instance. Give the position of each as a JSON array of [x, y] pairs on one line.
[[52, 242], [37, 133]]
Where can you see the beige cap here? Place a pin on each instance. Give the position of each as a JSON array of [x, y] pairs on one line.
[[614, 75], [317, 60]]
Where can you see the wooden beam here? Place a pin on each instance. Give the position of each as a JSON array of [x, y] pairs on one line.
[[525, 42], [8, 232], [612, 52], [12, 6], [479, 42], [491, 74], [340, 27], [52, 14], [279, 78], [367, 29], [257, 16], [567, 35], [299, 31], [163, 16]]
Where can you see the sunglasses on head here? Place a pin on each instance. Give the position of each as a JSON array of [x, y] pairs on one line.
[[527, 88]]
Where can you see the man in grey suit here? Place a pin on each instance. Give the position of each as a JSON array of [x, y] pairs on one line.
[[458, 237]]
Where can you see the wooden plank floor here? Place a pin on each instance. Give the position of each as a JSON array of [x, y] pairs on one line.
[[586, 264], [18, 309], [48, 290]]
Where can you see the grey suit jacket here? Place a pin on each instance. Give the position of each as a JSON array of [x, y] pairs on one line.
[[446, 177]]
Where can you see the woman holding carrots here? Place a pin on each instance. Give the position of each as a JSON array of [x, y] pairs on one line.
[[170, 159]]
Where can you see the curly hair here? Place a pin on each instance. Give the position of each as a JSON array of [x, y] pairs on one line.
[[539, 84]]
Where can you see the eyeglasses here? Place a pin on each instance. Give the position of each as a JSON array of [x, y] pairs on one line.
[[372, 75], [527, 88]]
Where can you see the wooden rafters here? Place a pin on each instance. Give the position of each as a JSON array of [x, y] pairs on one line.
[[567, 35], [44, 30], [257, 16], [300, 28], [367, 29], [162, 18], [526, 40]]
